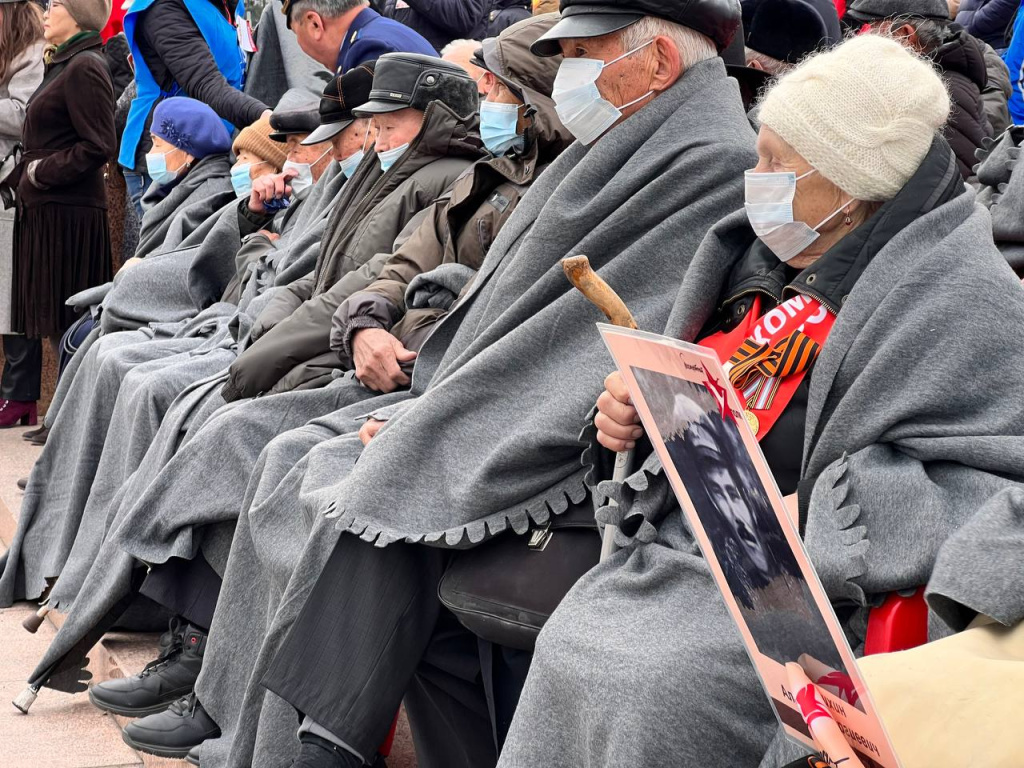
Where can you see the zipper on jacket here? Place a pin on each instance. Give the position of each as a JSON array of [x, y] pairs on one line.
[[814, 295]]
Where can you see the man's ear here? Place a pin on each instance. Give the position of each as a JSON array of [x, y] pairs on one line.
[[906, 34], [316, 24], [668, 64]]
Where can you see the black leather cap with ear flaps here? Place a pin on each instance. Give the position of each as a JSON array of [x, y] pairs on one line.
[[412, 80], [715, 19]]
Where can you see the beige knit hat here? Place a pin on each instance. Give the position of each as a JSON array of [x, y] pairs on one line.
[[863, 114], [255, 138], [89, 15]]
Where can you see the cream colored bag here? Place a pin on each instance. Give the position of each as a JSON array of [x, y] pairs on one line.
[[955, 702]]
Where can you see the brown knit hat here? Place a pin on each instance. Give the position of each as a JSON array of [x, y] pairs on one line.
[[89, 15], [255, 138]]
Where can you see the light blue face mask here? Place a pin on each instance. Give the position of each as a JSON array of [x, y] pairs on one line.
[[240, 179], [156, 167], [498, 126], [388, 158], [350, 163]]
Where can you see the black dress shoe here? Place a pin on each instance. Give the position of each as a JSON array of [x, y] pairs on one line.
[[162, 682], [40, 437], [315, 752], [173, 733], [33, 432], [23, 483]]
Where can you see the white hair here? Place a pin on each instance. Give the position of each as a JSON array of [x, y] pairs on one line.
[[328, 9], [770, 65], [456, 45], [692, 45]]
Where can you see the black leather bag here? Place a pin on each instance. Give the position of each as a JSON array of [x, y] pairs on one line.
[[504, 590]]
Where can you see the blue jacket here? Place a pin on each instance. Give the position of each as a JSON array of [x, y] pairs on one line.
[[988, 20], [371, 36], [221, 37], [1014, 58]]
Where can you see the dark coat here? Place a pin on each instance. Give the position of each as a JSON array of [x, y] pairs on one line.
[[69, 130], [439, 21], [176, 52], [505, 13], [117, 52], [988, 20], [61, 242], [962, 62]]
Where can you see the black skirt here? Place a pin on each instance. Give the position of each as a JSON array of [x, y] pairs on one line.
[[59, 250]]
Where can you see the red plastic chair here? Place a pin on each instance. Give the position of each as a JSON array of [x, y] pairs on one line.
[[897, 624], [389, 742]]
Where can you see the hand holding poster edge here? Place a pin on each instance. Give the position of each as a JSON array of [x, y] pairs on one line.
[[859, 723]]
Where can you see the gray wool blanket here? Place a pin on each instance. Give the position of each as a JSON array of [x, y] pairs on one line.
[[168, 220], [913, 428], [153, 423], [486, 444], [64, 476], [177, 283], [269, 541], [292, 257]]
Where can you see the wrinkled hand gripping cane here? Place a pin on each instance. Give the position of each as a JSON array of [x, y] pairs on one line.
[[598, 292]]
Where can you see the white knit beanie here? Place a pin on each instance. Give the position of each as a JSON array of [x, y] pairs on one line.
[[863, 114]]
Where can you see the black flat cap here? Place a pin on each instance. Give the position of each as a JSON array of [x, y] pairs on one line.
[[293, 121], [867, 11], [343, 94], [716, 19], [412, 80], [789, 30]]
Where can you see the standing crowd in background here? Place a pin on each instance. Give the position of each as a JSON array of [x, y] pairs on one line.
[[329, 416]]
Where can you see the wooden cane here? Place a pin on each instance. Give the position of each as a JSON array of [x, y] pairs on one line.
[[598, 292], [33, 622]]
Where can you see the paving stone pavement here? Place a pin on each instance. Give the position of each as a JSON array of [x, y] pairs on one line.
[[63, 730]]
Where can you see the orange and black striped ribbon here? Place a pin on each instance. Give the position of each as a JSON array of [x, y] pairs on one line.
[[790, 354]]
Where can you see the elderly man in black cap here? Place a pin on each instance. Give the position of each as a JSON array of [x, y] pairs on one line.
[[488, 442], [924, 26], [779, 33]]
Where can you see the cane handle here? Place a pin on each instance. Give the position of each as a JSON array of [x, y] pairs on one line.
[[597, 291]]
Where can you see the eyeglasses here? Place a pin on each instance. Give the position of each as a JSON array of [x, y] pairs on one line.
[[53, 4]]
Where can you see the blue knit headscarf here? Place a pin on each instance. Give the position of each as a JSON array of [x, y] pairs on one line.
[[191, 126]]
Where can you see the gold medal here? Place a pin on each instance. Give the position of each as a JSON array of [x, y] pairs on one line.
[[752, 421]]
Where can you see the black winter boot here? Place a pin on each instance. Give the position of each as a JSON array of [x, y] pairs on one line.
[[173, 733], [162, 682], [315, 752]]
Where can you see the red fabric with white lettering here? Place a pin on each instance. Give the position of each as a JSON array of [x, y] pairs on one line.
[[800, 313]]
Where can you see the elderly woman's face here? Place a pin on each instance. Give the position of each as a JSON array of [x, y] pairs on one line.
[[816, 197], [58, 26], [175, 158], [257, 165]]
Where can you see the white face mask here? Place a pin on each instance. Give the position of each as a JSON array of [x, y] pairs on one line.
[[579, 103], [305, 170], [768, 200]]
